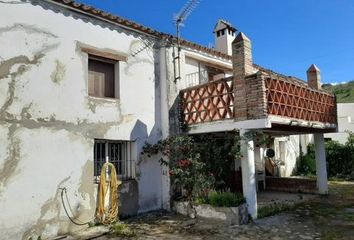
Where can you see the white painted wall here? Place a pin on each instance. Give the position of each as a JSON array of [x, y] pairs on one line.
[[305, 140], [194, 72], [345, 122], [287, 150], [193, 62], [48, 122]]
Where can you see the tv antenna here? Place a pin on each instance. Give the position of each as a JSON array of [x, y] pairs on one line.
[[179, 20], [183, 14]]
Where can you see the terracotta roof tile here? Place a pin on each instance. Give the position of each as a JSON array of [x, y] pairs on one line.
[[116, 19]]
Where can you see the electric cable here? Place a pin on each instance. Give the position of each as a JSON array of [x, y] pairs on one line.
[[63, 190]]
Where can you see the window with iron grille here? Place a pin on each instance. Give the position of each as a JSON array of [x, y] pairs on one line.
[[119, 153]]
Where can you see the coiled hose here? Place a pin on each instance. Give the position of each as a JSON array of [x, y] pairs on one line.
[[108, 215]]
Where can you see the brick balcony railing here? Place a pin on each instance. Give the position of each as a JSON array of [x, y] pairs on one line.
[[208, 102], [292, 99], [285, 97]]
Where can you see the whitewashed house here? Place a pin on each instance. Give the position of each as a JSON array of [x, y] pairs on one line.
[[345, 122], [79, 86]]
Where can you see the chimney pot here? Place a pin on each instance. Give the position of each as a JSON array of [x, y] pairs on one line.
[[224, 35]]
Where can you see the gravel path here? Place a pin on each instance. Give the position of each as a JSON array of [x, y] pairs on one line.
[[327, 218]]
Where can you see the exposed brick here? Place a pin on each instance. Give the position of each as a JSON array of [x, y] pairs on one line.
[[314, 77], [249, 91]]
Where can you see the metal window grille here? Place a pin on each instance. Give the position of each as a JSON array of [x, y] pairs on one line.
[[119, 153]]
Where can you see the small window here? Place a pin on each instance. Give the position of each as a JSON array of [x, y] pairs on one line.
[[119, 153], [223, 32], [218, 33], [101, 77]]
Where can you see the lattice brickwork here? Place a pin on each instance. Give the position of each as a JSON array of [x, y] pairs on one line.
[[208, 102], [288, 99]]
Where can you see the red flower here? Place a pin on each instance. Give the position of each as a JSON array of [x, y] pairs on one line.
[[183, 163], [170, 173], [211, 174]]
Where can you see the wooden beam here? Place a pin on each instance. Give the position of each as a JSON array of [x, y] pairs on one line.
[[104, 54]]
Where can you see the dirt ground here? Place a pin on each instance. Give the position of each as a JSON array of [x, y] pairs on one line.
[[327, 217]]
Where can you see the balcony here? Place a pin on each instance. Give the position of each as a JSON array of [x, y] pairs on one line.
[[295, 100], [212, 101], [277, 99]]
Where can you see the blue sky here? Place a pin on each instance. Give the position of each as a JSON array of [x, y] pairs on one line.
[[287, 36]]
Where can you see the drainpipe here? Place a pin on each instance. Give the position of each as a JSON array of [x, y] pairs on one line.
[[165, 184]]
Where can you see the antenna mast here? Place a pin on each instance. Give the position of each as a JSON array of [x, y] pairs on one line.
[[179, 20]]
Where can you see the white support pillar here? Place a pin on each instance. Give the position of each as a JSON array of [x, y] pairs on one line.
[[321, 169], [248, 174]]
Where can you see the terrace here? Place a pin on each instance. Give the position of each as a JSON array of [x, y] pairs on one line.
[[282, 102], [257, 99]]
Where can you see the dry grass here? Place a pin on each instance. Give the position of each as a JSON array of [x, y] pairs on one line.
[[333, 214]]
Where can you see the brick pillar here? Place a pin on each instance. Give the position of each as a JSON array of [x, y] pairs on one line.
[[242, 66], [314, 77]]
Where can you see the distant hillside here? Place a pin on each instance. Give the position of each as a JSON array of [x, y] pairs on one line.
[[344, 92]]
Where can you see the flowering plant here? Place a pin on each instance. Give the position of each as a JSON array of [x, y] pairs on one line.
[[186, 170]]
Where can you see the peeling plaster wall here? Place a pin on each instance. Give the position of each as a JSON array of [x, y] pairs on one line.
[[48, 122]]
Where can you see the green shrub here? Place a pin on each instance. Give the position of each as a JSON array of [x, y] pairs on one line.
[[219, 154], [307, 164], [122, 230], [340, 159], [225, 199], [201, 200]]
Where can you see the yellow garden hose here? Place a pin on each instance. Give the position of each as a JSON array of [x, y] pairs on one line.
[[108, 214]]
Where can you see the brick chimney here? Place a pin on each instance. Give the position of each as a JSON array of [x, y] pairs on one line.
[[242, 56], [314, 77], [242, 66]]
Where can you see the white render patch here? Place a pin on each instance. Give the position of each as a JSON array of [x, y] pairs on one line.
[[226, 215], [228, 125], [300, 123]]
